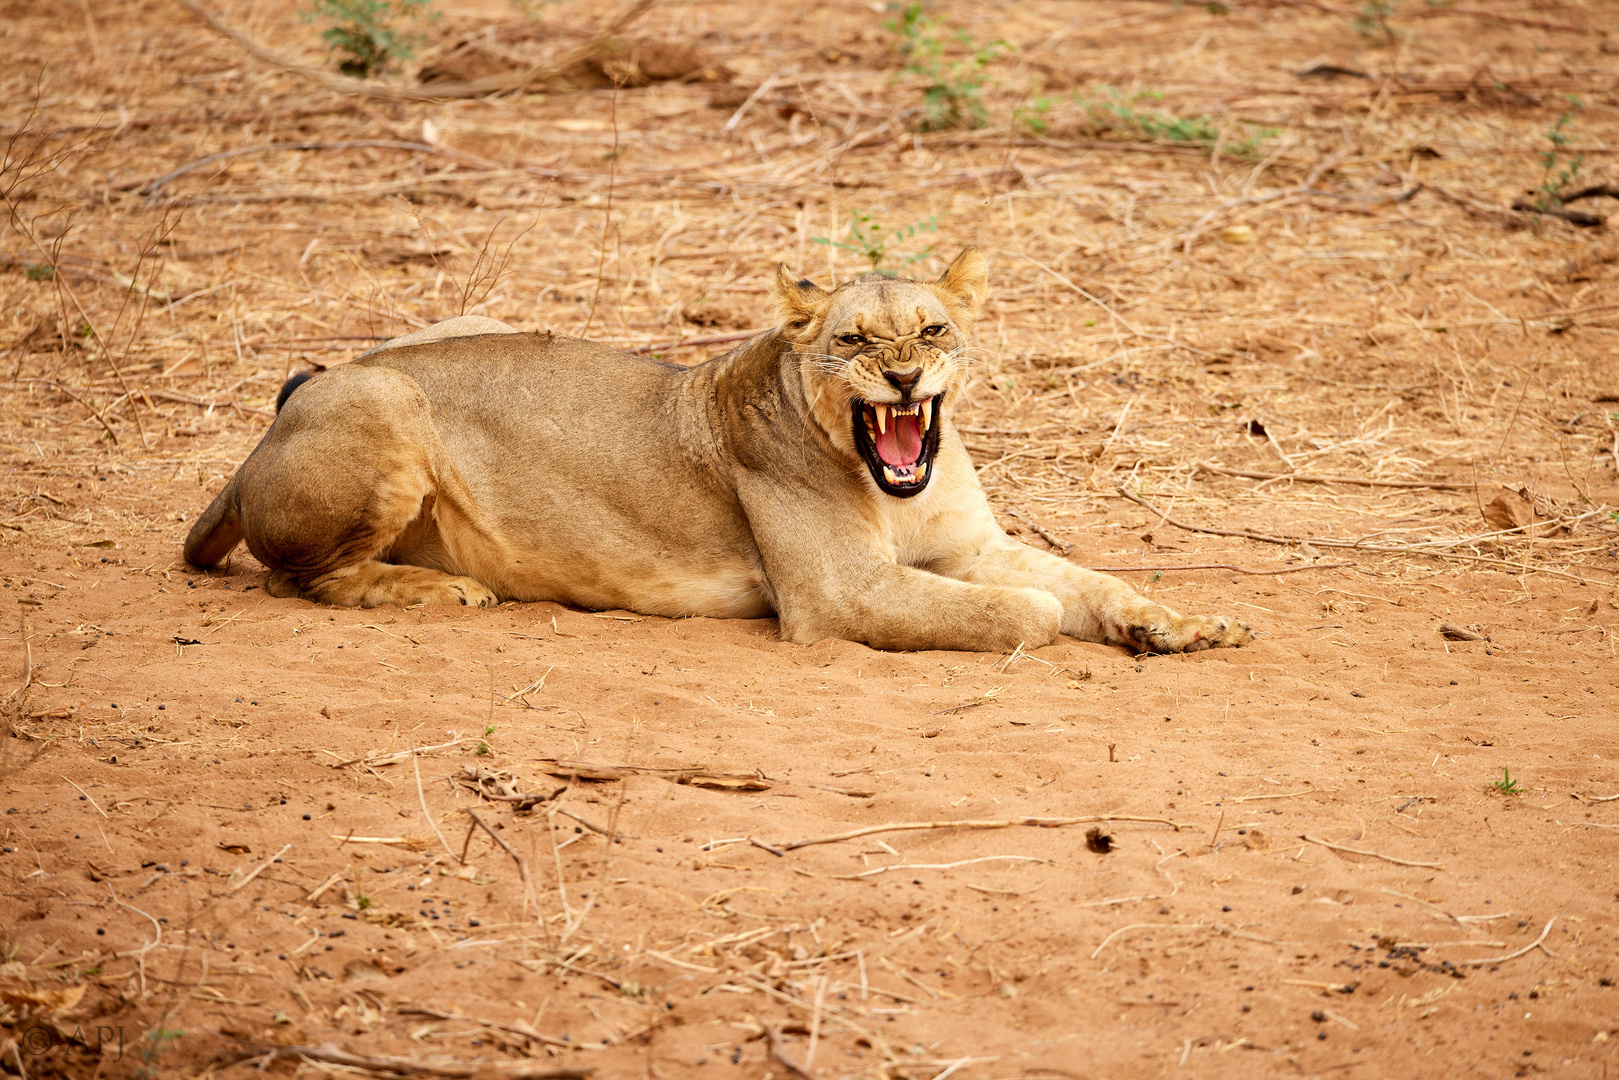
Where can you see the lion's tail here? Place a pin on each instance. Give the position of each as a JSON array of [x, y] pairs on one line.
[[218, 530]]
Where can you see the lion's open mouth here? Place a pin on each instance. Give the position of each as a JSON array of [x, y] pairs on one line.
[[898, 442]]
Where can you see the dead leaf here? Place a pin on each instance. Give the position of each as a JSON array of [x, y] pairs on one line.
[[236, 849], [39, 1001], [1258, 841], [1516, 510], [728, 783], [1098, 841], [361, 969]]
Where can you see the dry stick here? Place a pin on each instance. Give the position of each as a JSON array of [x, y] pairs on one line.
[[607, 218], [155, 184], [1249, 474], [87, 798], [51, 256], [1505, 20], [257, 870], [1141, 925], [1513, 956], [556, 857], [1222, 566], [1371, 854], [1061, 545], [493, 84], [516, 1029], [610, 835], [592, 826], [1200, 225], [157, 928], [398, 756], [522, 864], [1036, 822], [815, 1021], [1289, 541], [926, 866], [1122, 321], [152, 240], [421, 797], [27, 654], [100, 419], [319, 890], [514, 1070], [778, 1050]]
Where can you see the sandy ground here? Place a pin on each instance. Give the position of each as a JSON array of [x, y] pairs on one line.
[[1291, 859]]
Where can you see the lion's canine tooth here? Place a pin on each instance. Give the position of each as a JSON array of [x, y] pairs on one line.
[[922, 417], [921, 470], [882, 416], [888, 474]]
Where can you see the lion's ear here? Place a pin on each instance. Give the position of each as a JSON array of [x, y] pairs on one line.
[[799, 301], [965, 284]]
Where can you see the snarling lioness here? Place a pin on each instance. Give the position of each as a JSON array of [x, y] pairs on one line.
[[813, 472]]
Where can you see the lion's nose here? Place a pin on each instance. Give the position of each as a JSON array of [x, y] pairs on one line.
[[904, 381]]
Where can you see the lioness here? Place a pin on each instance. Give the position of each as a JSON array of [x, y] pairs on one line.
[[813, 471]]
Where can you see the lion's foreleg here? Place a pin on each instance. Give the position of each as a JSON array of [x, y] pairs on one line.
[[901, 608], [1097, 607]]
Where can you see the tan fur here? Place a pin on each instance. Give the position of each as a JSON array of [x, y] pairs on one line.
[[448, 468]]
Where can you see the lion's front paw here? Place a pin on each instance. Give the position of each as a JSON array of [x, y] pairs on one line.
[[469, 593], [1189, 633], [462, 591]]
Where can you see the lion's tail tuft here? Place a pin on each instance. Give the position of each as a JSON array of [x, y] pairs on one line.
[[218, 530]]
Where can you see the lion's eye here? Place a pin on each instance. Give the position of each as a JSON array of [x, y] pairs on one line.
[[932, 331], [851, 339]]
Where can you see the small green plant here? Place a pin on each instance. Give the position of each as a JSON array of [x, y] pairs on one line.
[[362, 901], [1506, 785], [1374, 19], [1558, 171], [40, 271], [951, 97], [483, 750], [157, 1040], [1030, 118], [488, 731], [1110, 109], [367, 34], [876, 243]]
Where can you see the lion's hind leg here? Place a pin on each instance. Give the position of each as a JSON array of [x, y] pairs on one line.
[[347, 480]]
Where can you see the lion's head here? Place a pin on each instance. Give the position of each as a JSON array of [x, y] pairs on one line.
[[882, 359]]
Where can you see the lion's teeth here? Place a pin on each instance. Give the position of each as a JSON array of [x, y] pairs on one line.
[[921, 470], [882, 416], [888, 474], [922, 417]]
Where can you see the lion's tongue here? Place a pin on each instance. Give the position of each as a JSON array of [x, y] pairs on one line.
[[901, 444]]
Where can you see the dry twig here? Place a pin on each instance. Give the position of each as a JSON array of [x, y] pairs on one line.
[[445, 91], [1007, 823]]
